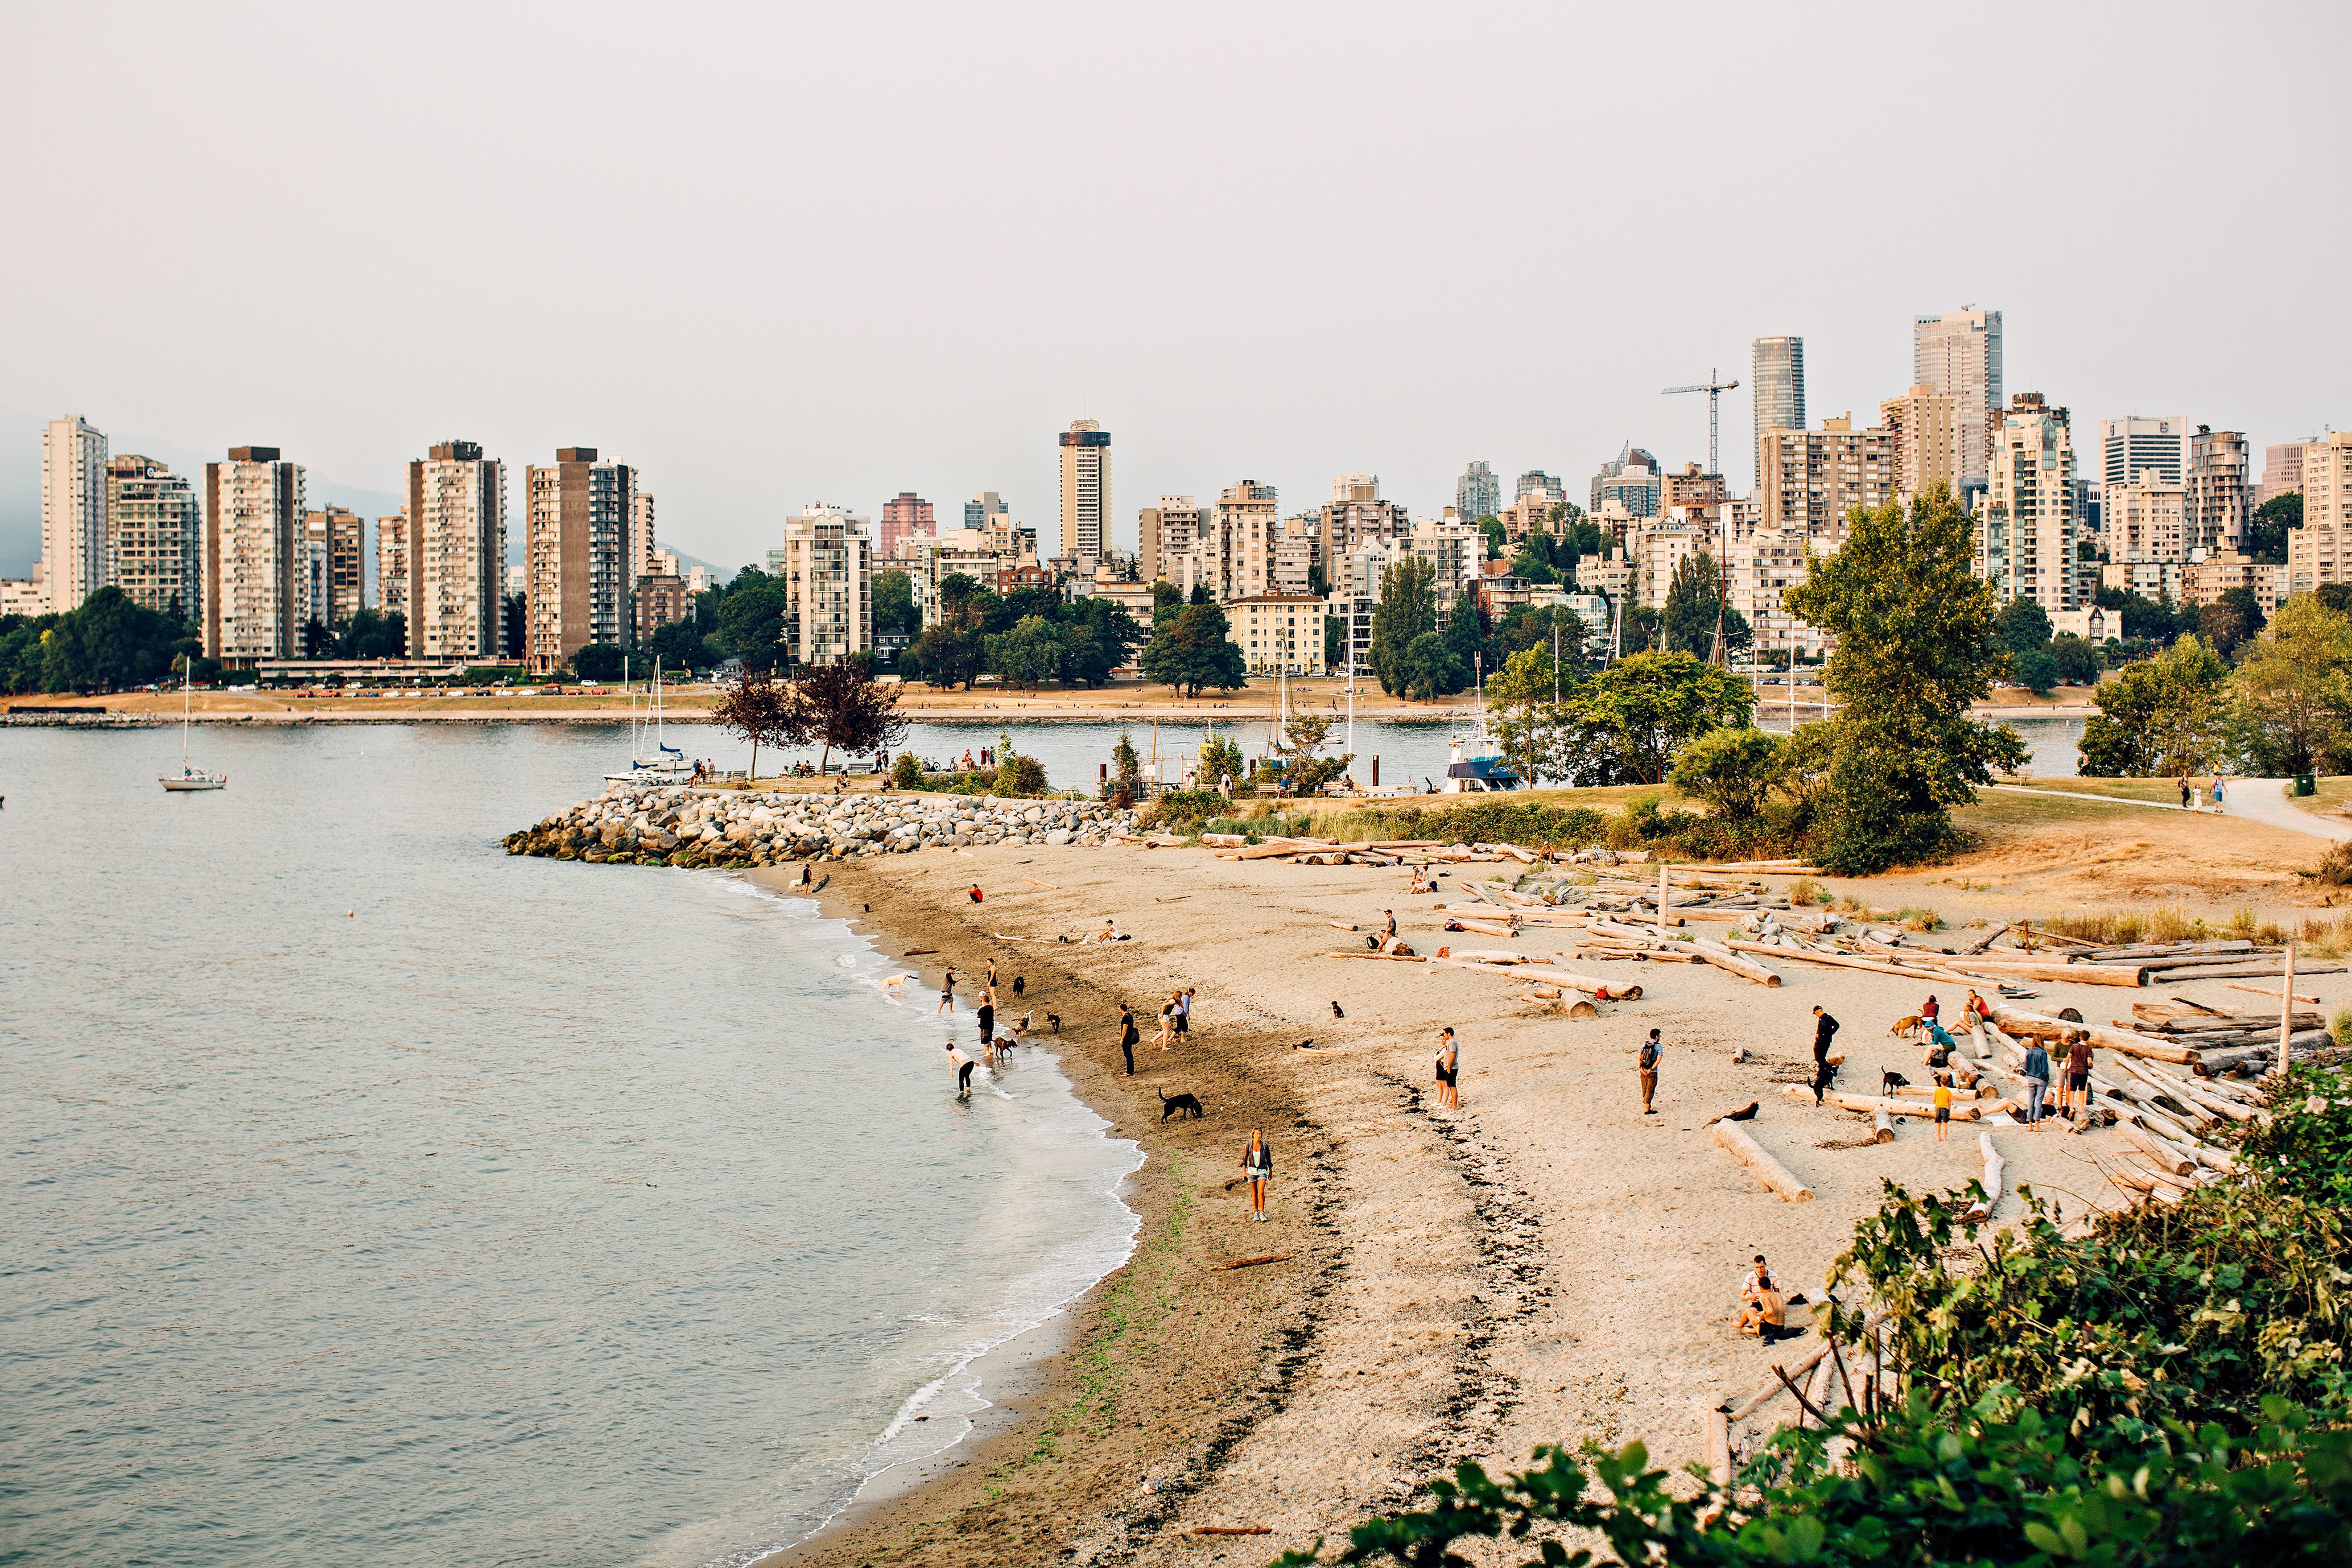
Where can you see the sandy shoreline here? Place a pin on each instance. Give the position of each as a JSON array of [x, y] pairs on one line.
[[1544, 1265]]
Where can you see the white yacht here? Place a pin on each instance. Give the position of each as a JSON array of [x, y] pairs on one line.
[[189, 778]]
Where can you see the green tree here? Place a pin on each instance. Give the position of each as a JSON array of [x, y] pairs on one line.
[[1529, 718], [1024, 655], [1430, 669], [894, 602], [1692, 599], [2077, 660], [751, 620], [1303, 769], [1465, 637], [1193, 650], [1407, 608], [2034, 669], [679, 647], [2158, 718], [2292, 695], [514, 625], [373, 634], [1097, 635], [318, 642], [1626, 724], [1733, 769], [1127, 767], [106, 643], [1528, 627], [1497, 537], [2021, 626], [1221, 760], [598, 661], [1915, 649], [2229, 620], [2266, 532], [1165, 602]]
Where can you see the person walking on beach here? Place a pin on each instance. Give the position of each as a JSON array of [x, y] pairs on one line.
[[988, 1016], [947, 994], [1943, 1106], [1257, 1166], [1825, 1029], [1167, 1023], [1127, 1036], [1449, 1071], [1647, 1064], [963, 1066], [1184, 1013], [2037, 1081]]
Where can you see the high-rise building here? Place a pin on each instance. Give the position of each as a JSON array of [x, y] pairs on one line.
[[1814, 480], [2282, 470], [1357, 516], [641, 536], [456, 552], [1086, 491], [827, 566], [1167, 529], [1477, 493], [1924, 426], [2026, 533], [1777, 384], [1958, 352], [1240, 548], [577, 577], [155, 536], [987, 504], [1535, 481], [253, 586], [2147, 520], [73, 511], [2132, 444], [1694, 491], [1631, 479], [340, 534], [391, 565], [2321, 550], [2218, 494], [660, 599], [904, 516]]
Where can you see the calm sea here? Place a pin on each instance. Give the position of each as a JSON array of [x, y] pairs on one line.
[[373, 1195]]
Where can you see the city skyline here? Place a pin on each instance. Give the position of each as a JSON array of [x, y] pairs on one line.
[[857, 368]]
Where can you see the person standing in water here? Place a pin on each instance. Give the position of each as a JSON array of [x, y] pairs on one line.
[[963, 1066], [987, 1015], [947, 994], [1257, 1166]]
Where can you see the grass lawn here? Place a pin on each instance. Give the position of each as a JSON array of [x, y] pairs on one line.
[[2164, 790], [2335, 798]]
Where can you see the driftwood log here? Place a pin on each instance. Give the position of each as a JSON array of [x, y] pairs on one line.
[[1769, 1171], [1724, 958], [1994, 1166]]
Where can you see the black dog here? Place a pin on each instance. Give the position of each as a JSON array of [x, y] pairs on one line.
[[1890, 1081], [1335, 1011], [1019, 985], [1180, 1105], [1054, 1022]]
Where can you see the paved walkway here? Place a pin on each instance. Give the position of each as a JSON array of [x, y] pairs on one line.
[[2252, 800]]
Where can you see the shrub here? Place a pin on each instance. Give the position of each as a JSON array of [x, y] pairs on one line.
[[1019, 777], [2336, 867], [1804, 892], [907, 773], [1182, 810]]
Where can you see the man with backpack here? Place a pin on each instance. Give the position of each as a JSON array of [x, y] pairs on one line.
[[1648, 1063], [1825, 1029]]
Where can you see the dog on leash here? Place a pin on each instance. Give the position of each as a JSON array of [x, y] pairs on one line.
[[1180, 1105], [1054, 1022]]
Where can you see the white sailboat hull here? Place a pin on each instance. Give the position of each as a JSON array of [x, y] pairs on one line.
[[177, 786]]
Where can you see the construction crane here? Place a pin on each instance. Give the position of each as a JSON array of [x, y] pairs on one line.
[[1714, 390]]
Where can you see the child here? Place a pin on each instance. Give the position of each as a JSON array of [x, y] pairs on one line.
[[1943, 1107]]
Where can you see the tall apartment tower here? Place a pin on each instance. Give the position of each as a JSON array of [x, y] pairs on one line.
[[391, 565], [979, 509], [827, 566], [1534, 481], [2129, 445], [341, 535], [1356, 518], [456, 552], [254, 588], [1477, 493], [2321, 550], [1924, 427], [1959, 353], [908, 516], [155, 536], [2282, 470], [1168, 529], [1085, 490], [73, 511], [2219, 493], [1813, 480], [1244, 542], [641, 537], [2025, 537], [576, 565], [1778, 385]]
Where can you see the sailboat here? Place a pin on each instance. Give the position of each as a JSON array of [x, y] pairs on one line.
[[668, 765], [189, 778], [1475, 765]]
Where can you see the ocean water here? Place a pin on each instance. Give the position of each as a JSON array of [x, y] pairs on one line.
[[370, 1194]]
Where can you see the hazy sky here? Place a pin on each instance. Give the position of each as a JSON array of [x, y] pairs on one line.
[[775, 255]]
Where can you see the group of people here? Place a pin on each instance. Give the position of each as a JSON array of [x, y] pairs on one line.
[[1763, 1309], [994, 1048], [1175, 1016], [2189, 793]]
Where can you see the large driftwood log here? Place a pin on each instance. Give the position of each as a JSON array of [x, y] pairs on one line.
[[1717, 1424], [1768, 1169], [2045, 970], [2166, 1156], [1843, 961], [1883, 1126], [1724, 958], [2017, 1021], [1962, 1109], [1994, 1165]]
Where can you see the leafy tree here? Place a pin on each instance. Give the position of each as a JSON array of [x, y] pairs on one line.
[[1465, 637], [2077, 660], [1430, 669], [2229, 620], [1220, 759], [1690, 602], [1026, 654], [679, 647], [1302, 740], [1127, 767], [373, 634], [1318, 582], [759, 708], [1407, 608], [1335, 644], [514, 625], [843, 705], [2163, 716], [1165, 602], [1532, 562], [1733, 769], [2022, 626], [1200, 595], [1626, 724], [907, 773], [106, 643], [1642, 627], [1914, 648], [1529, 627], [1019, 777], [894, 602], [2292, 695], [962, 598], [945, 655], [1097, 635], [1497, 537], [599, 661], [2265, 538], [1193, 650], [751, 620], [318, 642]]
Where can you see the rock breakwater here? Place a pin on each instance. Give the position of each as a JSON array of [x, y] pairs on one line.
[[680, 826]]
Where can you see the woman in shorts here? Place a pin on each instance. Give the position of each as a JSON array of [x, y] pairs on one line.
[[1449, 1072]]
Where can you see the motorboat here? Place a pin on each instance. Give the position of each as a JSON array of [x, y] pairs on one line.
[[1474, 765], [189, 778]]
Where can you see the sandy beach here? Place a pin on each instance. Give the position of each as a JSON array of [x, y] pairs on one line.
[[1544, 1265]]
